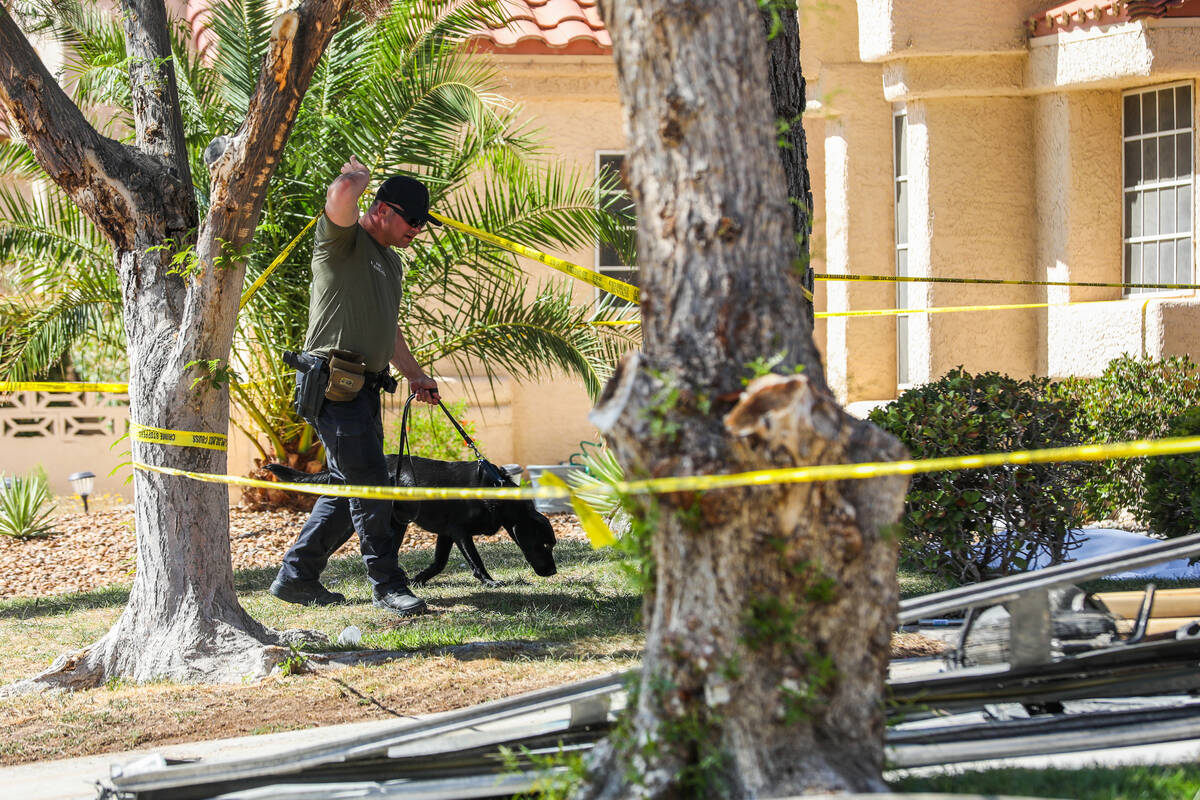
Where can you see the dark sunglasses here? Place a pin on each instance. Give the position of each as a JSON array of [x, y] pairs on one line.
[[415, 222]]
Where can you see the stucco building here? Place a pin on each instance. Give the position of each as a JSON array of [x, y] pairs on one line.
[[1010, 139]]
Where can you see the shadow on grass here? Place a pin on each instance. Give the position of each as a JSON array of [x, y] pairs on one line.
[[25, 607]]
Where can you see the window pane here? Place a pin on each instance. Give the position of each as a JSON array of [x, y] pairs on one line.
[[1166, 109], [902, 349], [1149, 160], [1133, 163], [1183, 106], [1133, 262], [902, 289], [1183, 155], [1166, 158], [1150, 262], [609, 257], [1183, 209], [1133, 214], [1133, 115], [1166, 211], [1149, 213], [901, 145], [1166, 262], [902, 212], [1149, 112], [1183, 260]]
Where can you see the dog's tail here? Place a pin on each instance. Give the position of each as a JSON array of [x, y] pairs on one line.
[[289, 475]]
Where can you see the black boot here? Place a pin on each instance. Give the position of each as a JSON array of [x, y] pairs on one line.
[[305, 593]]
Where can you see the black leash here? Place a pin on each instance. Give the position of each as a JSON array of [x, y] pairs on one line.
[[489, 466]]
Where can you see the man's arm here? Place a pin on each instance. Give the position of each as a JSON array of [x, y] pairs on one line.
[[341, 198], [402, 359]]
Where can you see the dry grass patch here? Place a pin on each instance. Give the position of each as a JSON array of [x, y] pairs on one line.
[[123, 717]]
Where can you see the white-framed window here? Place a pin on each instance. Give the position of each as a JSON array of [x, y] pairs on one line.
[[1159, 193], [608, 261], [900, 181]]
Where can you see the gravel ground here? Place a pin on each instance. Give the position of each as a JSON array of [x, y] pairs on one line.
[[88, 551]]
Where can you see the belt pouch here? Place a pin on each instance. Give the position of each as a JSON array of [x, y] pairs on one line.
[[311, 379], [347, 374]]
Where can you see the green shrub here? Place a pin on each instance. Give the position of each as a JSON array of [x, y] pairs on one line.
[[1133, 399], [431, 434], [1170, 504], [26, 506], [968, 525]]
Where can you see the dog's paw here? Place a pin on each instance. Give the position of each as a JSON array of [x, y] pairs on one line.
[[491, 582], [420, 580]]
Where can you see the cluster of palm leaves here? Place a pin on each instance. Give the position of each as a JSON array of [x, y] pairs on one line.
[[402, 94]]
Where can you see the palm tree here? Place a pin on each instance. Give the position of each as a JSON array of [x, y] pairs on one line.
[[405, 96]]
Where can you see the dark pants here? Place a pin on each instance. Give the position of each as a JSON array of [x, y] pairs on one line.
[[352, 433]]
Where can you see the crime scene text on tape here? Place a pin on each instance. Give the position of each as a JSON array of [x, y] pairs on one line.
[[208, 441]]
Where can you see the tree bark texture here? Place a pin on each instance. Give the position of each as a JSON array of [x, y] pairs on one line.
[[183, 620], [788, 98], [769, 618]]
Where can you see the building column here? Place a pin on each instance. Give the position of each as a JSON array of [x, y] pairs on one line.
[[859, 233]]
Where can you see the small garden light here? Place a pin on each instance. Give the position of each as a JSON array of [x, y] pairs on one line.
[[82, 483]]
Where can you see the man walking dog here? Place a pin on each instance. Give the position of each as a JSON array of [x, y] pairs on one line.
[[352, 336]]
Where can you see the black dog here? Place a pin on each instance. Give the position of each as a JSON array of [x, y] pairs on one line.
[[457, 521]]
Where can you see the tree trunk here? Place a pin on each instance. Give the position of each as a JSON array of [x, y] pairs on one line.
[[787, 98], [183, 621], [769, 618]]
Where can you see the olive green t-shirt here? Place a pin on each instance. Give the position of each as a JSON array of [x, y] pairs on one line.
[[354, 298]]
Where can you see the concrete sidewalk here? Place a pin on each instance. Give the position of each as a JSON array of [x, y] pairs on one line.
[[76, 778]]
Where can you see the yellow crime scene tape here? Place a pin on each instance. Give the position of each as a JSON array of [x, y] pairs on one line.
[[61, 386], [208, 441], [593, 523], [279, 259], [623, 290], [882, 312], [826, 276]]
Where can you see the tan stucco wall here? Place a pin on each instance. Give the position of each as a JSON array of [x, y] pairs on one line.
[[1077, 145], [860, 355], [574, 102], [1015, 172], [972, 163], [1116, 55], [894, 28], [850, 166]]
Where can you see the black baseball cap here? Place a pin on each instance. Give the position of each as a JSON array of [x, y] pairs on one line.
[[409, 194]]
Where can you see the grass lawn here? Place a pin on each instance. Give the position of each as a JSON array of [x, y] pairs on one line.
[[476, 644], [530, 633], [1168, 782]]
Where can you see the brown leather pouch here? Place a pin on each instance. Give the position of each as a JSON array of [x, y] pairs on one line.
[[347, 374]]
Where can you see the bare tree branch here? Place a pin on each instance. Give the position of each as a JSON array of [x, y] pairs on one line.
[[107, 180], [241, 174], [155, 94]]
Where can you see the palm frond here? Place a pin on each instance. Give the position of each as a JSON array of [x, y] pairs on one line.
[[47, 237], [37, 330], [94, 67], [529, 340], [242, 29], [17, 162]]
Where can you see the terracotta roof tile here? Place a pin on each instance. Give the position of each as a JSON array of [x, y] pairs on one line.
[[548, 26], [1082, 14]]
